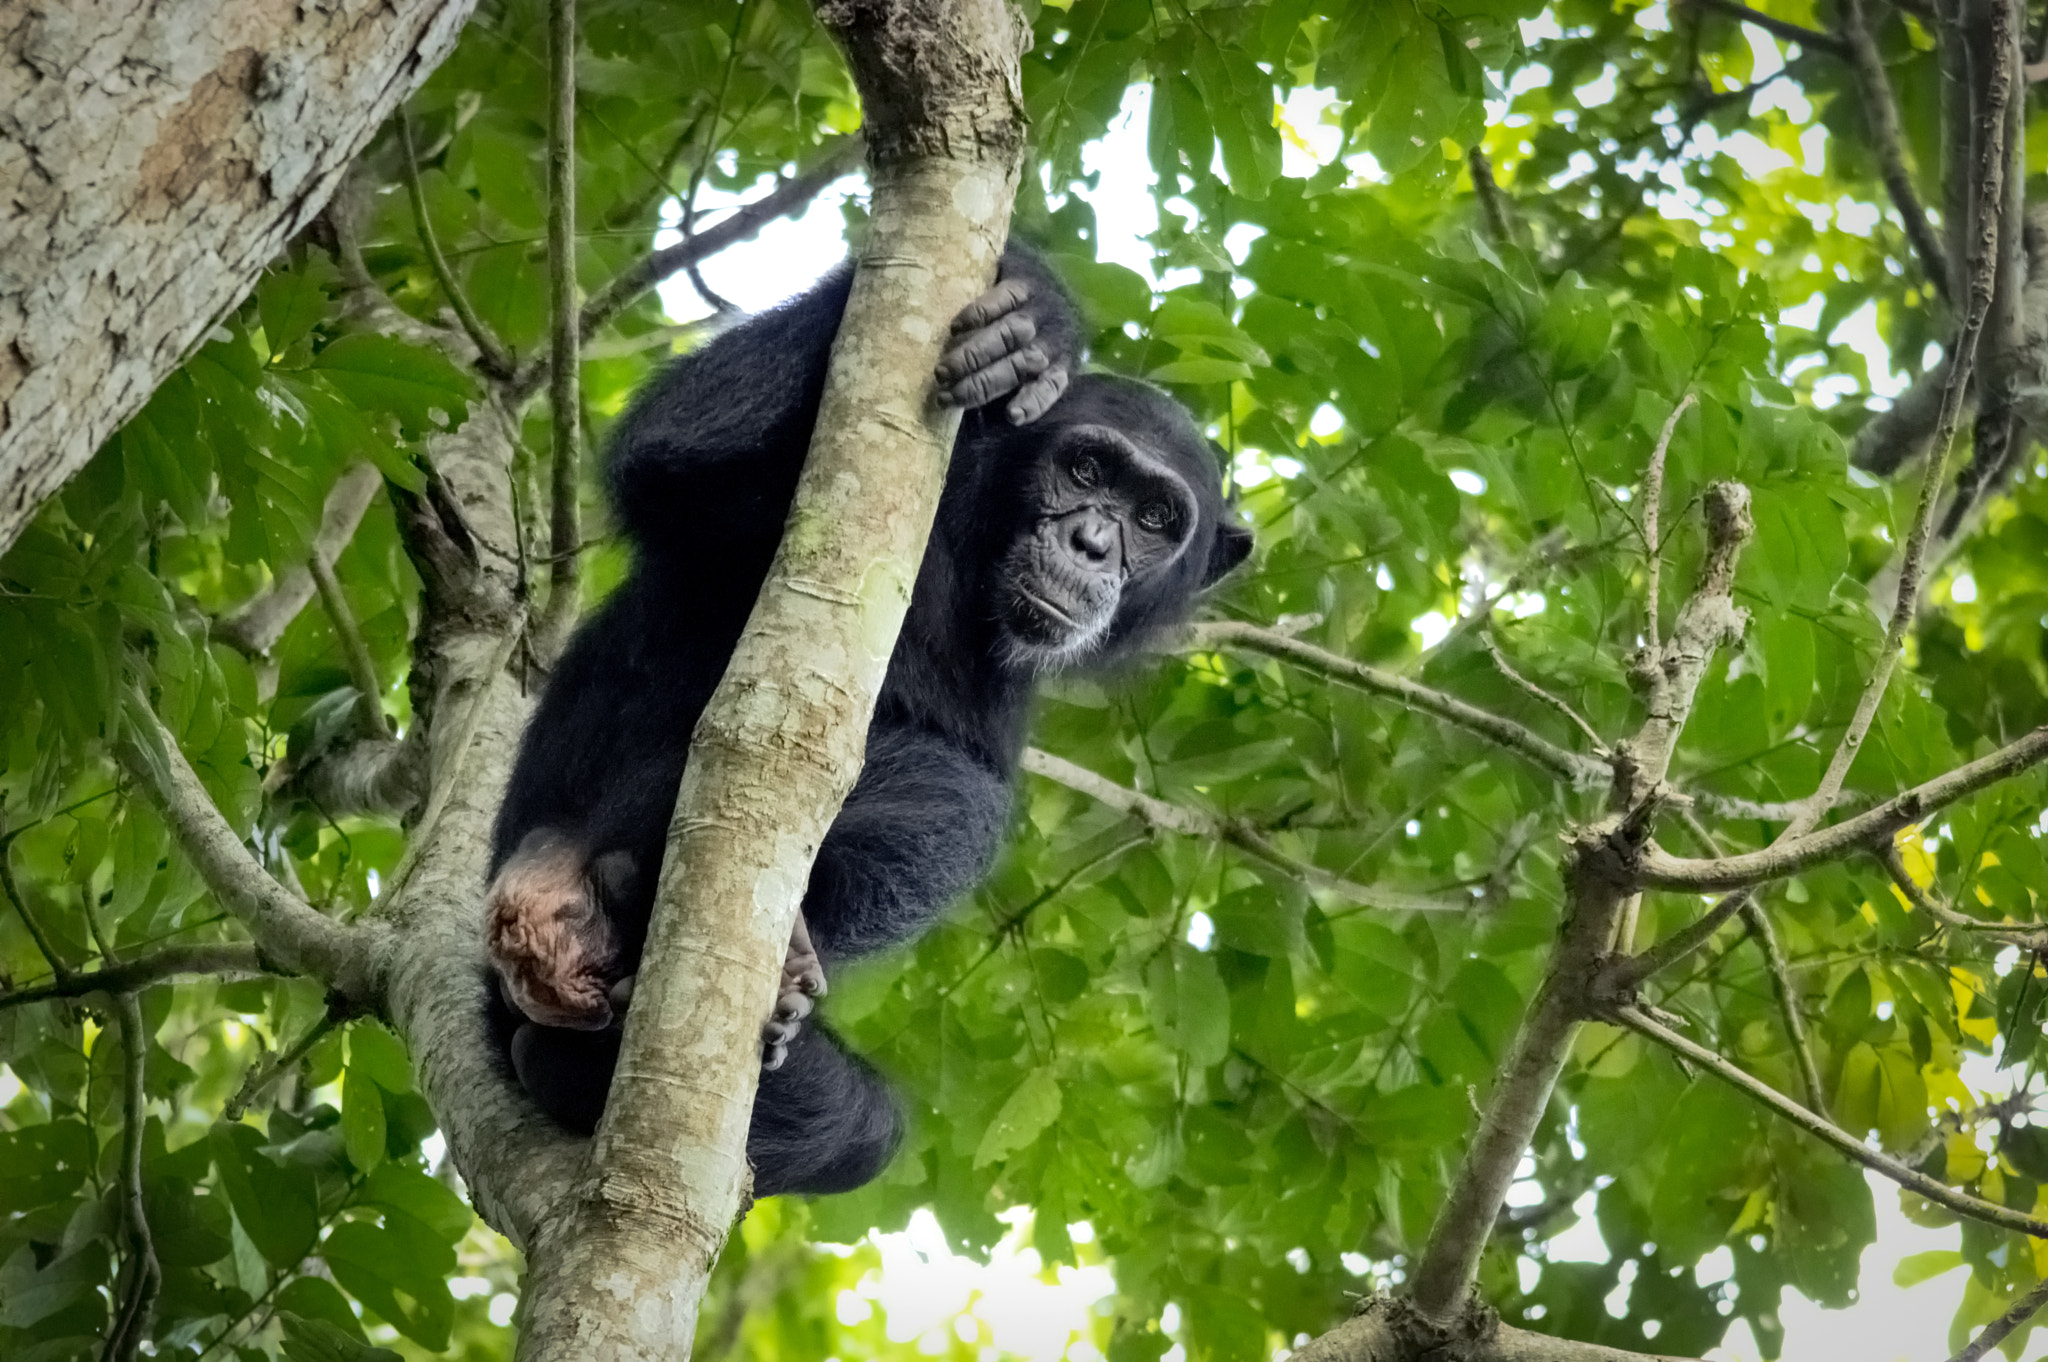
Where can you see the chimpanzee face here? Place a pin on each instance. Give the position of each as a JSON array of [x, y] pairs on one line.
[[1119, 524]]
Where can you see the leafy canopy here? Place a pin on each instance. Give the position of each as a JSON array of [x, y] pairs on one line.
[[1254, 1093]]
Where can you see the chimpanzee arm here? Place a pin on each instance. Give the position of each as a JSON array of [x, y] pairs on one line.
[[919, 829], [728, 425]]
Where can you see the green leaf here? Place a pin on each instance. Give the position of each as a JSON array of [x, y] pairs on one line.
[[318, 1340], [420, 387], [380, 1054], [1027, 1113], [1188, 1003], [276, 1204], [426, 1200], [362, 1118], [1916, 1268], [1201, 370], [388, 1270]]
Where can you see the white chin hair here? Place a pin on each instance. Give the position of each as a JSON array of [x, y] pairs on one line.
[[1041, 658]]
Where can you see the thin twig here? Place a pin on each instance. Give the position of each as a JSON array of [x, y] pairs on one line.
[[492, 358], [215, 958], [565, 530], [1208, 827], [2031, 936], [1996, 1332], [362, 669], [141, 1275], [643, 274], [1567, 766], [58, 968], [689, 220], [1776, 27], [1759, 924], [1542, 696], [1912, 1179], [256, 626], [1653, 499], [262, 1075]]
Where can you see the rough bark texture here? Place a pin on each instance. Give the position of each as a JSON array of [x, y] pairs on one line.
[[1388, 1329], [153, 157], [619, 1275]]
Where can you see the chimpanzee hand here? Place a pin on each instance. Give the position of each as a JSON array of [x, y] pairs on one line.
[[1000, 346], [803, 978], [548, 935]]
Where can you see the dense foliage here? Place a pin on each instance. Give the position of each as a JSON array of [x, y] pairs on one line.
[[1253, 1093]]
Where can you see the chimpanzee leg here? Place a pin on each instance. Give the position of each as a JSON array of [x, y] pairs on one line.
[[823, 1122]]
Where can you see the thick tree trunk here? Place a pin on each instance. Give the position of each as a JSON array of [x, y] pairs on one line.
[[619, 1276], [153, 156]]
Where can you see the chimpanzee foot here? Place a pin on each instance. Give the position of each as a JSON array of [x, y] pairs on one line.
[[993, 353], [550, 942], [803, 978]]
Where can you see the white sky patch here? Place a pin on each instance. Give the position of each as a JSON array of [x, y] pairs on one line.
[[1201, 931], [1859, 332], [1303, 114], [1326, 422], [1963, 589], [1011, 1302], [788, 256], [1597, 91], [1432, 627]]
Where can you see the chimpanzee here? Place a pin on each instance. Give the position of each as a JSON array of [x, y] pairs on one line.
[[1078, 515]]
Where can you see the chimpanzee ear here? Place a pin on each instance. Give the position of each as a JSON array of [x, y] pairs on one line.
[[1233, 541]]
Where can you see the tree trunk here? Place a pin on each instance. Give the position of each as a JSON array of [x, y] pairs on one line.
[[153, 157], [619, 1276]]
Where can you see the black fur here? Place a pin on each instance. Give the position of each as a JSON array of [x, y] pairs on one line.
[[701, 473]]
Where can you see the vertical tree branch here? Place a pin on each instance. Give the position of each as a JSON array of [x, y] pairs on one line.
[[1653, 500], [565, 400], [491, 357], [141, 1274], [1888, 143], [1759, 923], [362, 670], [1977, 305], [1598, 887], [619, 1274], [256, 626]]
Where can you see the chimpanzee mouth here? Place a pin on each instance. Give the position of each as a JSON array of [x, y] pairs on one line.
[[1045, 607], [1045, 636]]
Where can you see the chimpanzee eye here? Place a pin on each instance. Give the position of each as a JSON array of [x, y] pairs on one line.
[[1156, 516], [1086, 470]]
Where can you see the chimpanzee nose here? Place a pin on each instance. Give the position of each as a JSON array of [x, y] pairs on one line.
[[1093, 537]]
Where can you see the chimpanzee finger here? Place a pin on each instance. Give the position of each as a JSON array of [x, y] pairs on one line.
[[1006, 296], [1006, 375], [772, 1057], [984, 347], [622, 992], [792, 1006], [1035, 398]]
